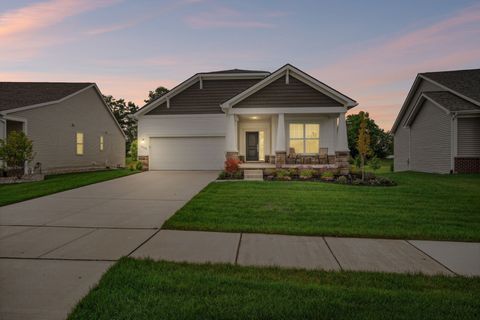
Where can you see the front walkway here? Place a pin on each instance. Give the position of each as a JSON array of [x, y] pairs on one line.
[[325, 253]]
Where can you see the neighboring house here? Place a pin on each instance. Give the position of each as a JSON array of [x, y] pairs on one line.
[[71, 126], [256, 116], [438, 127]]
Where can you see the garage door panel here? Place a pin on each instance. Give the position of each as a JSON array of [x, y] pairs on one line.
[[187, 153]]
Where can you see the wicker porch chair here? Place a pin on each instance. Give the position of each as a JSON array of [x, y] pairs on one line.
[[323, 155]]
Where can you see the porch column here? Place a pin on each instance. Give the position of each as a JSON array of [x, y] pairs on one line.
[[280, 150], [341, 151], [231, 137]]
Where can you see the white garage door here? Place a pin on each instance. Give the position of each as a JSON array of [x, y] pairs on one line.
[[189, 153]]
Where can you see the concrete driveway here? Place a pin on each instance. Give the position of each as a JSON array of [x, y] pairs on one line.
[[54, 248]]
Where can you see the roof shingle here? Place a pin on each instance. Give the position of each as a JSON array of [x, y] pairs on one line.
[[21, 94], [465, 82], [450, 101]]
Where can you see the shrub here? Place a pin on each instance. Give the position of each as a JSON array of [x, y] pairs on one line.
[[134, 150], [391, 167], [342, 180], [307, 174], [232, 165], [374, 163], [139, 165], [237, 175], [327, 175], [384, 181], [283, 174], [131, 166], [223, 175], [293, 172], [269, 172], [15, 151]]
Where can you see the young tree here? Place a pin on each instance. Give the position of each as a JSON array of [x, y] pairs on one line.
[[157, 93], [363, 141], [134, 150], [381, 141], [123, 112], [15, 151]]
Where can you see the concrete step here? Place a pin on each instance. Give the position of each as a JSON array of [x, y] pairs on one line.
[[253, 175]]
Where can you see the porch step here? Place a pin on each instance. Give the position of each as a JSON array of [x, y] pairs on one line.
[[253, 175]]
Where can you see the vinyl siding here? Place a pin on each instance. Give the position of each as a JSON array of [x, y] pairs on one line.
[[468, 135], [431, 140], [294, 94], [194, 100], [53, 130], [401, 137]]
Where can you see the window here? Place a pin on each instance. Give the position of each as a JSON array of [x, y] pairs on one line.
[[305, 137], [101, 143], [79, 143]]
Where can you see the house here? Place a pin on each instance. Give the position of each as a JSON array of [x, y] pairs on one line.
[[438, 127], [257, 116], [71, 126]]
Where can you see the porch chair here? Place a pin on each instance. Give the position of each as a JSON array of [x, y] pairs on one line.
[[291, 156], [323, 155]]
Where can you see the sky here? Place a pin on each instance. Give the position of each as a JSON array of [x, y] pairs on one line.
[[368, 50]]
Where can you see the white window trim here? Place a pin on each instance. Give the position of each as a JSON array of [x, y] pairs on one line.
[[304, 139]]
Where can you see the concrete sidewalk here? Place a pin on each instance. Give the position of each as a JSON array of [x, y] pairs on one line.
[[324, 253], [53, 249]]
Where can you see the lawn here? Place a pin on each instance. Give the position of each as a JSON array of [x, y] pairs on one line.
[[143, 289], [12, 193], [422, 206]]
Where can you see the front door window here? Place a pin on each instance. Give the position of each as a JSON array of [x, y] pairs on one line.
[[252, 146]]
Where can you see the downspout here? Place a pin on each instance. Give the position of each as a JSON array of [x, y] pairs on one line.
[[453, 147]]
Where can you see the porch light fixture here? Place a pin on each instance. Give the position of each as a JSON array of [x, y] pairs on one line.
[[254, 118], [142, 141]]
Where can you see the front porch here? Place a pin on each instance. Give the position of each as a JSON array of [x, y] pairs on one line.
[[288, 140]]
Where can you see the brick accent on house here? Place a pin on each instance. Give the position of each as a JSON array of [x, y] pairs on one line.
[[467, 165], [144, 161], [341, 160], [280, 158]]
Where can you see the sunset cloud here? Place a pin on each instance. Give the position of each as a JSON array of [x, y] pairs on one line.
[[44, 14], [389, 65]]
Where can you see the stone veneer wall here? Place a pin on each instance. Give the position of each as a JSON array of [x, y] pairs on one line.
[[144, 161], [341, 160], [280, 158]]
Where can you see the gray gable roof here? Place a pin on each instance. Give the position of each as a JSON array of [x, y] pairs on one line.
[[230, 71], [464, 82], [450, 101], [21, 94]]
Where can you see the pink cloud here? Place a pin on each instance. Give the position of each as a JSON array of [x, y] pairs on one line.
[[44, 14], [389, 66], [225, 18]]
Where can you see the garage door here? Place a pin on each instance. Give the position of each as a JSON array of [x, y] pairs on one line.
[[189, 153]]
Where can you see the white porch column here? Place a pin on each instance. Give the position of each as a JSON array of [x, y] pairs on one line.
[[342, 141], [231, 134], [280, 141]]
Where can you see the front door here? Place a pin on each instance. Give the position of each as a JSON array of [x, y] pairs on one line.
[[252, 146]]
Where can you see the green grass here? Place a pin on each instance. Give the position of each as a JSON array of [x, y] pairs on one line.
[[422, 206], [385, 167], [143, 289], [12, 193]]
